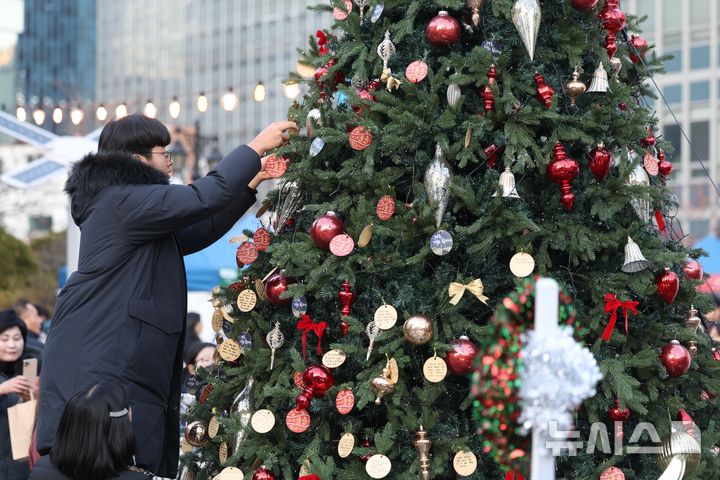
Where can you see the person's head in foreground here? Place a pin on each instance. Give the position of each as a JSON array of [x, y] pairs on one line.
[[95, 439], [12, 342], [142, 137]]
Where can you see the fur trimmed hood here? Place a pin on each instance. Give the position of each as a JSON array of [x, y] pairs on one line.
[[97, 171]]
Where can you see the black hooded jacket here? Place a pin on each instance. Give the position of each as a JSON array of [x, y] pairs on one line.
[[121, 315]]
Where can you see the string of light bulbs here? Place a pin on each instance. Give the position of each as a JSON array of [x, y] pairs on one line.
[[228, 101]]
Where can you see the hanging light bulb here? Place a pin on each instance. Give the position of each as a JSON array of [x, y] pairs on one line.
[[39, 115], [21, 113], [174, 108], [77, 115], [150, 109], [202, 103], [101, 113], [57, 114], [121, 110], [292, 90], [259, 92], [229, 101]]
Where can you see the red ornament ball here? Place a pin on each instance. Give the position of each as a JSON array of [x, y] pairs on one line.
[[675, 358], [364, 95], [693, 269], [584, 4], [443, 30], [638, 45], [599, 161], [325, 228], [318, 379], [461, 358], [622, 106], [302, 402], [276, 286], [617, 414], [613, 20], [263, 473], [668, 285]]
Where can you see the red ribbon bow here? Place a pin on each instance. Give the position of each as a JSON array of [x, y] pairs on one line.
[[611, 305], [306, 325], [322, 42]]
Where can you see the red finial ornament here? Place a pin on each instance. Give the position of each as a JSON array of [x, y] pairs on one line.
[[638, 45], [562, 170], [613, 19], [618, 416], [610, 44], [346, 297], [665, 166], [600, 161], [544, 91], [668, 285], [487, 95]]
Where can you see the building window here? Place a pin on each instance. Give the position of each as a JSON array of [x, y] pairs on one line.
[[699, 10], [673, 93], [699, 228], [674, 63], [700, 57], [671, 134], [672, 14], [699, 91], [700, 138], [699, 196]]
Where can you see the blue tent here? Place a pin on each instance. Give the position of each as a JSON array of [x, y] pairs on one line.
[[711, 244], [209, 267]]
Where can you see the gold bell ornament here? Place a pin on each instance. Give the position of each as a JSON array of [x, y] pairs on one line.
[[599, 81], [507, 183], [635, 261]]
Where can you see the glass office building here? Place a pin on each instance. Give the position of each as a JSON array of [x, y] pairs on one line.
[[689, 31], [164, 49]]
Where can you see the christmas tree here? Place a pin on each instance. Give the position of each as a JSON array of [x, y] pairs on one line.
[[452, 148]]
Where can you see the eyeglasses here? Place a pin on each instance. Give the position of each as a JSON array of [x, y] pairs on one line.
[[167, 155]]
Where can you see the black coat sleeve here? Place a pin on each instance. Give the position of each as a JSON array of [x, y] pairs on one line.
[[150, 211], [206, 232]]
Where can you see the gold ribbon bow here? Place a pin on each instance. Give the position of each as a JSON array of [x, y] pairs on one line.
[[457, 290]]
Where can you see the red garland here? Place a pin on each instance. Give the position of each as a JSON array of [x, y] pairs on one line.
[[611, 305], [306, 325], [322, 42]]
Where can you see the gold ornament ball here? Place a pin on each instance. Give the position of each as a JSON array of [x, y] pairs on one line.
[[418, 329], [196, 434], [683, 445]]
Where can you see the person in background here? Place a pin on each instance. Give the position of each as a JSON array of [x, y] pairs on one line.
[[13, 387], [44, 315], [121, 314], [193, 329], [94, 440], [29, 314], [201, 355]]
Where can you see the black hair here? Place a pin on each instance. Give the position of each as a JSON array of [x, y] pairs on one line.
[[133, 134], [90, 444], [193, 350], [42, 311], [9, 319]]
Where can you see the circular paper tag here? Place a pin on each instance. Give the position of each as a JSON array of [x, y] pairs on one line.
[[342, 245], [229, 350], [394, 371], [297, 421], [441, 242], [299, 306], [386, 317], [298, 379], [334, 358], [360, 139], [385, 208], [246, 300], [213, 427], [651, 164], [416, 71], [465, 463], [340, 14], [261, 239], [435, 369], [223, 453], [378, 466], [522, 264], [230, 473], [276, 166], [246, 254], [346, 444], [260, 289], [217, 320], [262, 421], [345, 401]]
